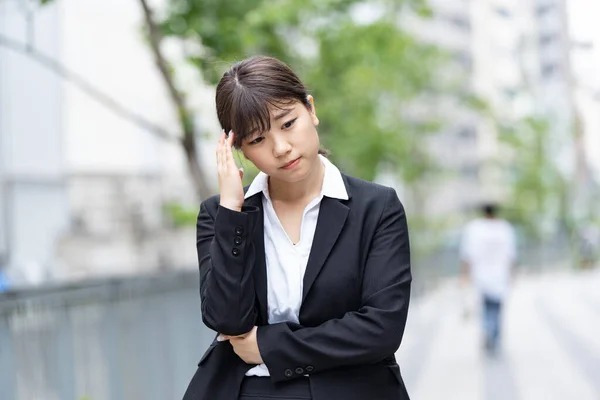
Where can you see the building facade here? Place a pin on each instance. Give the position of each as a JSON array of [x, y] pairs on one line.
[[83, 188]]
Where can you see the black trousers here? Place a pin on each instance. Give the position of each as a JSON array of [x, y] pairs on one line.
[[261, 388]]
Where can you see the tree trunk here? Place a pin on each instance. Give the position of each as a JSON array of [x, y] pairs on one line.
[[185, 116], [203, 191]]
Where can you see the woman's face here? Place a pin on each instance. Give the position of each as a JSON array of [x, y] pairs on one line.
[[289, 150]]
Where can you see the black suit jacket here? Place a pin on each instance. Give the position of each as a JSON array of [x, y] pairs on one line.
[[354, 307]]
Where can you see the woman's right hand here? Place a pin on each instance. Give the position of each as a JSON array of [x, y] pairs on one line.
[[230, 177]]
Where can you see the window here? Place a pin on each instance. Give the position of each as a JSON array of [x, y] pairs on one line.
[[467, 132], [470, 170], [460, 21], [463, 58], [544, 9], [546, 39], [503, 12], [509, 93], [548, 70]]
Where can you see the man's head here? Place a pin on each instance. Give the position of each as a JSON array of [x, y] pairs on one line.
[[489, 210]]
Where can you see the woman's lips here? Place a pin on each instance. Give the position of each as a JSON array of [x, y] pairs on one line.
[[291, 164]]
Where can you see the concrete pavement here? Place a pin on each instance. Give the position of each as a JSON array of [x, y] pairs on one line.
[[551, 343]]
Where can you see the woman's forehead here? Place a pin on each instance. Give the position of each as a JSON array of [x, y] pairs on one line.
[[279, 108]]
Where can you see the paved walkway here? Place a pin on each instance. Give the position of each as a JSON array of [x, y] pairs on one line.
[[551, 346]]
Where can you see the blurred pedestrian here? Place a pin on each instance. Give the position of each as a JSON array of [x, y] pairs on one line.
[[4, 285], [488, 255], [305, 274], [3, 282], [589, 245]]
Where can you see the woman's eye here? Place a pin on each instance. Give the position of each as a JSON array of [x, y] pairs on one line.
[[289, 123], [257, 140]]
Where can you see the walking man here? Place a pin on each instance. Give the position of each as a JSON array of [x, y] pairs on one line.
[[488, 255]]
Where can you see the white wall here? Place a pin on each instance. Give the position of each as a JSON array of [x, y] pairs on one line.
[[583, 17], [32, 158], [53, 135], [103, 42], [450, 28]]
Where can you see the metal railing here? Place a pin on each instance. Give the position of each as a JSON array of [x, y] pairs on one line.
[[127, 338], [533, 257], [139, 337]]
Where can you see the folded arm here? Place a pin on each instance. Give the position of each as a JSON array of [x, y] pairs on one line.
[[365, 336], [226, 257]]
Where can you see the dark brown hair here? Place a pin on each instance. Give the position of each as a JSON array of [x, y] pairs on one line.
[[247, 91]]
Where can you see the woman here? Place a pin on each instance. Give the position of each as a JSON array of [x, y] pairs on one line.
[[306, 274]]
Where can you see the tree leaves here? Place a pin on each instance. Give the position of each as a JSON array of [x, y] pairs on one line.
[[538, 187], [361, 75]]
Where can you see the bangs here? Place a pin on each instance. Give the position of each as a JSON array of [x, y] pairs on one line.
[[251, 113], [251, 91]]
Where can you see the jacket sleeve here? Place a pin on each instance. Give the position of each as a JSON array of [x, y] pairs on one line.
[[365, 336], [226, 259]]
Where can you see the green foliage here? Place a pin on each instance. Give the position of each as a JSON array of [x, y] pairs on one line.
[[361, 75], [538, 188], [229, 30], [364, 76], [180, 215]]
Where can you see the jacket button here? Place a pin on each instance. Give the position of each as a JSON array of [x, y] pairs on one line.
[[310, 368], [237, 240], [288, 373], [235, 252], [239, 230], [299, 370]]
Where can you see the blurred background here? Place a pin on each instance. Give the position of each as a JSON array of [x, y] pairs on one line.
[[107, 137]]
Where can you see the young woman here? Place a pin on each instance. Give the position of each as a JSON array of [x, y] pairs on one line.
[[305, 275]]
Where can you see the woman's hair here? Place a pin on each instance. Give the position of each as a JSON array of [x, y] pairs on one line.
[[249, 88]]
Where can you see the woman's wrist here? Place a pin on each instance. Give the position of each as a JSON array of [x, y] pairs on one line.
[[231, 206]]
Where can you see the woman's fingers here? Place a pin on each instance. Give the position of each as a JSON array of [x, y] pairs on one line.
[[219, 151], [228, 152], [224, 152], [230, 182], [222, 338]]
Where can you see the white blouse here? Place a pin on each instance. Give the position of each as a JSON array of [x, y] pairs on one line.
[[286, 261]]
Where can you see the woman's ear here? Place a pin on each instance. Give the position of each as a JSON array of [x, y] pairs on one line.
[[313, 112]]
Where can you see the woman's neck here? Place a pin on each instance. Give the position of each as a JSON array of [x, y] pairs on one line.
[[309, 187]]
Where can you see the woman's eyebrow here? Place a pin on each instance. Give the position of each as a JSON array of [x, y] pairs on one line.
[[283, 113]]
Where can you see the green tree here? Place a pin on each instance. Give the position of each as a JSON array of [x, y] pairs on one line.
[[538, 188], [362, 75]]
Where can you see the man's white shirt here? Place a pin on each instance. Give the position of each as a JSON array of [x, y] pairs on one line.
[[489, 246]]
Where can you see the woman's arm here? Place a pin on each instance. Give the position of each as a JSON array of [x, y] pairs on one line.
[[226, 258], [365, 336]]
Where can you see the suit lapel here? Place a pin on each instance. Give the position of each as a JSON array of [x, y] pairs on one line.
[[260, 266], [332, 217]]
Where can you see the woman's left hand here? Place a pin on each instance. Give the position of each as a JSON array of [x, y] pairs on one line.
[[246, 347]]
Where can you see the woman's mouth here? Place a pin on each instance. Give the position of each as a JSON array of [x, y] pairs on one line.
[[291, 164]]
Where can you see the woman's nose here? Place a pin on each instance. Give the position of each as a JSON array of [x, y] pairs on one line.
[[281, 147]]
